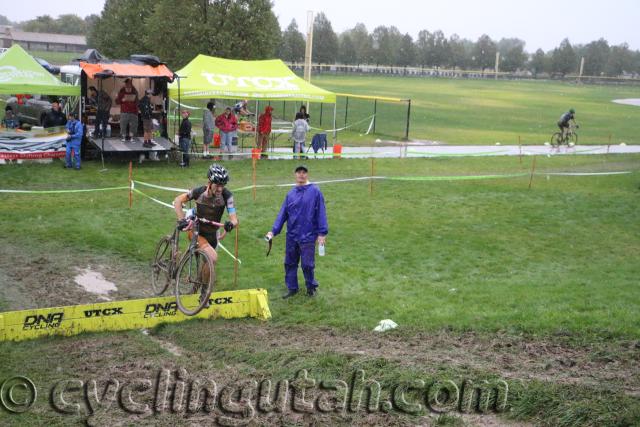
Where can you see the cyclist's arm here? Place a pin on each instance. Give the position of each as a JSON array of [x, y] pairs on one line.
[[178, 202], [231, 210]]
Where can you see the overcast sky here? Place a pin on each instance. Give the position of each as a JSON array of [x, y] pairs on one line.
[[541, 23]]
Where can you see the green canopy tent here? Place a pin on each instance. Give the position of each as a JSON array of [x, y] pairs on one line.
[[21, 74], [208, 77]]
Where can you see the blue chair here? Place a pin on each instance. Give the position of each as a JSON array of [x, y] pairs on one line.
[[319, 142]]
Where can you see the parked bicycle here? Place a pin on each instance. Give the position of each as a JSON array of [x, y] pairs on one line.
[[569, 139], [192, 274]]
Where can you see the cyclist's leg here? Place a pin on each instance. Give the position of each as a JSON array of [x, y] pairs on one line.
[[207, 246]]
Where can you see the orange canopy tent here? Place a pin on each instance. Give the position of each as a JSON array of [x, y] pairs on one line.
[[121, 69]]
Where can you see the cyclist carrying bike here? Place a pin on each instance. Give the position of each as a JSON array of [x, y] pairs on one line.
[[565, 120], [211, 201]]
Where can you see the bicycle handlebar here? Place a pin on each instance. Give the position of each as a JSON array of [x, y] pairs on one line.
[[197, 219]]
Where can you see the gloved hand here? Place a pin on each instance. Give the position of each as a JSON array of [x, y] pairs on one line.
[[228, 226], [184, 224]]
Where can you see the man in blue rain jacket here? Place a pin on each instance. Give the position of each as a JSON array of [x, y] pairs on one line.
[[304, 212]]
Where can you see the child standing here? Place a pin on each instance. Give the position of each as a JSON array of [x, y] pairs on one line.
[[299, 134]]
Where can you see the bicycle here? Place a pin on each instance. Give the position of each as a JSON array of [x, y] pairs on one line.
[[570, 138], [186, 271]]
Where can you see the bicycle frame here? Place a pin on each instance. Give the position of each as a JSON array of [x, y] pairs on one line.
[[193, 244], [571, 130]]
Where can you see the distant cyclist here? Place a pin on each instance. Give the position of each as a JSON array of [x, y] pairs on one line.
[[565, 120], [211, 201]]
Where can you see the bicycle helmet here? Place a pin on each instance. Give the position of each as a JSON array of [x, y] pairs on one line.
[[218, 174], [572, 111]]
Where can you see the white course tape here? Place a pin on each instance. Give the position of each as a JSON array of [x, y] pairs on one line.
[[154, 199], [371, 117], [582, 173], [185, 105], [179, 190]]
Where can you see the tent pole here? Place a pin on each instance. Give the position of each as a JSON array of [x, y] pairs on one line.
[[175, 116], [104, 130]]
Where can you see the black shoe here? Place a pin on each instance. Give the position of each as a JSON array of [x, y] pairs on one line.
[[207, 303], [289, 294], [311, 292]]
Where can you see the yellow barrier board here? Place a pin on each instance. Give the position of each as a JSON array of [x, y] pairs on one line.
[[123, 315]]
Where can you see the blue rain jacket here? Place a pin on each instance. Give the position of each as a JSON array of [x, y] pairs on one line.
[[304, 212]]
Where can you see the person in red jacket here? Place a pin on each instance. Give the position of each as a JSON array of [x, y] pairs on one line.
[[264, 130], [128, 101], [228, 124]]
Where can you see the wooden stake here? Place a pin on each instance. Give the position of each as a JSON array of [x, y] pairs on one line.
[[254, 180], [533, 169], [235, 263], [130, 182]]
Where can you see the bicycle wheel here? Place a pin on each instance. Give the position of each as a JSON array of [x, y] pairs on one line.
[[573, 139], [161, 266], [556, 139], [193, 284]]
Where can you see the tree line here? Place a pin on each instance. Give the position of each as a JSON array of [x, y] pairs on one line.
[[63, 24], [248, 29], [387, 46]]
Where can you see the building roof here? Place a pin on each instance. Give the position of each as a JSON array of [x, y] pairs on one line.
[[24, 36]]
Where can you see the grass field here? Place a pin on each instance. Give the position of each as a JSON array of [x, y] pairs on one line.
[[489, 111], [56, 58], [469, 112], [486, 278]]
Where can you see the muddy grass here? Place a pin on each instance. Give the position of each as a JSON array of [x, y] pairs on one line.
[[47, 276], [42, 278]]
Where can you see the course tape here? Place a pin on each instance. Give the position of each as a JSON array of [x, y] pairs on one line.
[[249, 187], [190, 107], [85, 190], [179, 190], [371, 117], [583, 173], [124, 315], [135, 190], [481, 153], [291, 154], [454, 178]]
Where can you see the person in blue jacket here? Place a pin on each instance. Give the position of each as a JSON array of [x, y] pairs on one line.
[[304, 212], [74, 140]]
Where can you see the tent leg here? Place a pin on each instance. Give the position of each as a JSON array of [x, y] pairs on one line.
[[335, 131]]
